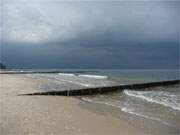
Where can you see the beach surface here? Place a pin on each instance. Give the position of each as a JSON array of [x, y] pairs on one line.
[[45, 115]]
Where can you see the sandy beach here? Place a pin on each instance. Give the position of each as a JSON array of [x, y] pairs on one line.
[[45, 115]]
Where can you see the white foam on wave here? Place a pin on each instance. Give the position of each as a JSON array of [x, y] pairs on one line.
[[94, 76], [69, 78], [82, 80], [98, 102], [76, 82], [124, 109], [149, 96], [66, 74]]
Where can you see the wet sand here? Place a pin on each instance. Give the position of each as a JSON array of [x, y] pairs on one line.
[[45, 115]]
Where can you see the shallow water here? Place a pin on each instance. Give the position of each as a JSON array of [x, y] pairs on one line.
[[160, 104], [156, 105]]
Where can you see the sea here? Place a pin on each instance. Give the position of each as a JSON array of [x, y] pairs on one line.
[[159, 104]]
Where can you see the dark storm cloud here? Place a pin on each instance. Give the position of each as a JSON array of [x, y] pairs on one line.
[[119, 34]]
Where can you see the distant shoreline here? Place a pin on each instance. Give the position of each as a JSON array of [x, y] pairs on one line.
[[43, 72]]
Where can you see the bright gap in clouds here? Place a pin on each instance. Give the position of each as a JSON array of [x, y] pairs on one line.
[[61, 21]]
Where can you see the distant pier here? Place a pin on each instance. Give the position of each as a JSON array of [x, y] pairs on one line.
[[107, 89]]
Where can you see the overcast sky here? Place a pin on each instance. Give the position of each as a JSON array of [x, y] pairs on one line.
[[90, 34]]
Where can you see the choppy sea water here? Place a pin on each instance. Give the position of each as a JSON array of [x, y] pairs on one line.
[[160, 104]]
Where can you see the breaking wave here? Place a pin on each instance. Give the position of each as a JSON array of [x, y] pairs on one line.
[[66, 74], [159, 97], [124, 109], [94, 76]]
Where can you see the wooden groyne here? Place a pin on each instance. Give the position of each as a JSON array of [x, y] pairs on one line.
[[107, 89]]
